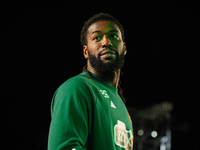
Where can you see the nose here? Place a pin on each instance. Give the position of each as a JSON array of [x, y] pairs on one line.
[[106, 42]]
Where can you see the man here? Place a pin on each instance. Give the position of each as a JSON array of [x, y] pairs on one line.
[[87, 111]]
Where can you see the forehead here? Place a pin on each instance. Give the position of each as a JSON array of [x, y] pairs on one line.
[[103, 26]]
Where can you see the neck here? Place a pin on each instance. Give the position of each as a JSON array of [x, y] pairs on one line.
[[110, 77]]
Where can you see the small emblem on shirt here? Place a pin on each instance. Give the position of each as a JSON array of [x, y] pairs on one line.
[[122, 137], [104, 93], [112, 105]]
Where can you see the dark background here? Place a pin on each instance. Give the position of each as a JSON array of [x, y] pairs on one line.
[[41, 49]]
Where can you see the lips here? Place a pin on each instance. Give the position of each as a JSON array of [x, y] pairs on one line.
[[107, 52]]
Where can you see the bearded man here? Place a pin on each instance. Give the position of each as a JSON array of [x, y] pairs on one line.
[[88, 111]]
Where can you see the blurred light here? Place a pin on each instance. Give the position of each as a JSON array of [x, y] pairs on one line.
[[164, 139], [162, 147], [140, 132], [154, 134]]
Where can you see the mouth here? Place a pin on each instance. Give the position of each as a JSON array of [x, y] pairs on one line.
[[108, 55], [109, 52]]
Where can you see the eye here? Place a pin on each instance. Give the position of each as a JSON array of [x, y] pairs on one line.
[[114, 36], [98, 38]]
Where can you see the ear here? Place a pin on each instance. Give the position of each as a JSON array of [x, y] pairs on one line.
[[125, 50], [85, 52]]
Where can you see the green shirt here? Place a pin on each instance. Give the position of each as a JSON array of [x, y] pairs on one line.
[[89, 114]]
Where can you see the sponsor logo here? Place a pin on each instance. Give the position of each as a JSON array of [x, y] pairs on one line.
[[104, 93], [112, 105]]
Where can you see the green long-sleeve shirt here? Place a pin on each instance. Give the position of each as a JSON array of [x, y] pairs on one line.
[[89, 114]]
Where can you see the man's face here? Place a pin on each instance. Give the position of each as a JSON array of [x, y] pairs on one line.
[[105, 47]]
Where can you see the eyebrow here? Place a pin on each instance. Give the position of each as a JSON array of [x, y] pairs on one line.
[[108, 31]]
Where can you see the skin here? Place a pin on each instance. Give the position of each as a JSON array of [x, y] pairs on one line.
[[104, 37]]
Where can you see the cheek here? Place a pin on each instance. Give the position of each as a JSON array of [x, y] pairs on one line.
[[94, 47], [120, 47], [92, 51]]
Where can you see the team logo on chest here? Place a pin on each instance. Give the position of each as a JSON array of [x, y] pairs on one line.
[[122, 137]]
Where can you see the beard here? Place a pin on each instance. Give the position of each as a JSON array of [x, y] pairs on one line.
[[106, 67]]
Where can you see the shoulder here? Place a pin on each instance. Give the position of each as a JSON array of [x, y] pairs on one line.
[[74, 91], [80, 81], [74, 88]]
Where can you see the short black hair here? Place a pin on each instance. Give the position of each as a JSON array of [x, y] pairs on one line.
[[97, 18]]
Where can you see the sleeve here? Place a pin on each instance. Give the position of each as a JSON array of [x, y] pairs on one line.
[[71, 117]]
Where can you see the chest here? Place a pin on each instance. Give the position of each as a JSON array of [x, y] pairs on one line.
[[109, 108]]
